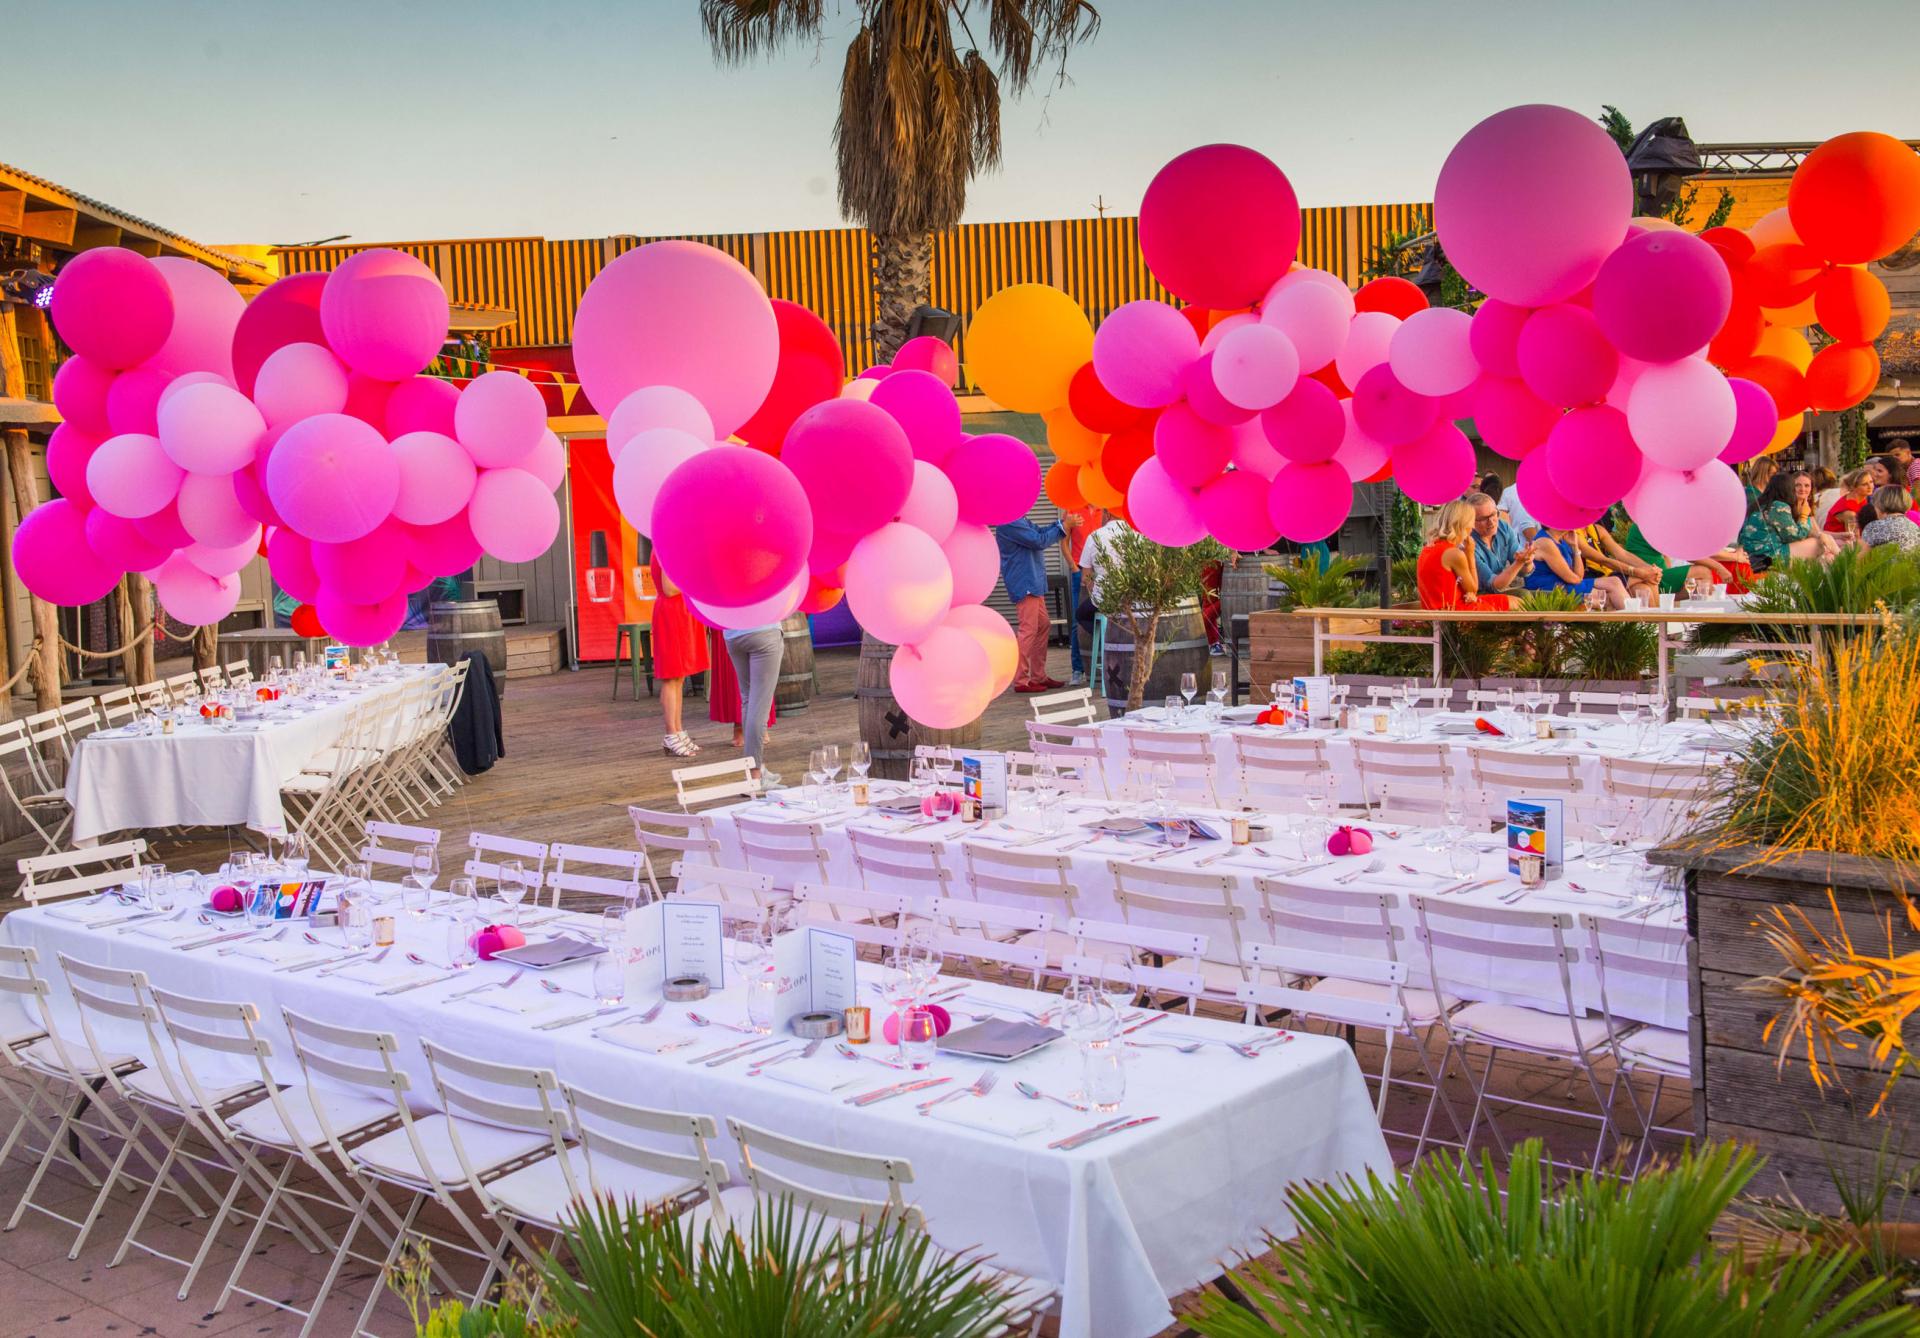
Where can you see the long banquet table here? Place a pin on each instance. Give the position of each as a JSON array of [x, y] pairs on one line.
[[1117, 1227]]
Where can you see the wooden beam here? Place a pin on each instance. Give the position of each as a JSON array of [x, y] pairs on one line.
[[55, 226], [93, 233], [139, 245], [13, 207]]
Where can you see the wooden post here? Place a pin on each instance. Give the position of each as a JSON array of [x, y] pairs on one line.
[[140, 604], [26, 495], [123, 607], [206, 646]]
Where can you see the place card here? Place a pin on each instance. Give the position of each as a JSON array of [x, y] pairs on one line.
[[692, 942], [833, 963]]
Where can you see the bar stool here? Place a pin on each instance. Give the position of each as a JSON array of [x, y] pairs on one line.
[[637, 641], [1097, 657]]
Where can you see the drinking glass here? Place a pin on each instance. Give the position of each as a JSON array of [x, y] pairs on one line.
[[148, 874], [1657, 710], [1172, 708], [1646, 882], [762, 989], [1463, 859], [918, 1037], [860, 760], [426, 864], [356, 880], [613, 928], [1103, 1076], [1178, 834], [610, 978], [462, 889], [416, 893], [830, 761], [1630, 714], [356, 923], [1188, 687], [817, 777], [260, 897], [296, 855], [513, 886], [462, 930], [1220, 683], [1162, 781]]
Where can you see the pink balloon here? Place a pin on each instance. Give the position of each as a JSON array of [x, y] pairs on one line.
[[163, 528], [932, 503], [925, 410], [1511, 418], [118, 544], [112, 307], [732, 526], [1140, 350], [1255, 367], [1435, 467], [384, 313], [1682, 413], [1220, 327], [69, 451], [1662, 295], [1191, 450], [1544, 502], [131, 476], [210, 429], [333, 478], [1687, 514], [80, 390], [1495, 336], [945, 681], [365, 570], [1432, 352], [499, 419], [1369, 341], [181, 382], [1591, 458], [1309, 500], [1530, 202], [1234, 507], [1755, 420], [223, 559], [1621, 391], [927, 353], [1252, 451], [548, 462], [656, 406], [996, 638], [446, 549], [854, 462], [133, 400], [995, 478], [757, 615], [1306, 426], [899, 585], [299, 380], [361, 624], [513, 514], [1204, 398], [830, 552], [974, 559], [1387, 411], [878, 371], [367, 400], [53, 559], [1165, 511], [1218, 225], [206, 308], [421, 404], [249, 486], [1360, 455], [678, 313], [1314, 316], [290, 562], [211, 512], [191, 595], [1565, 359], [286, 311], [651, 455], [436, 480]]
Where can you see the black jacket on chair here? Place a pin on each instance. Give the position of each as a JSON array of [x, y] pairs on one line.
[[478, 739]]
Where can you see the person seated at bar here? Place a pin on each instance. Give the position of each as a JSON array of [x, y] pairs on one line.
[[1499, 558], [1605, 557], [1446, 573], [1715, 569], [1892, 524], [1559, 565], [1842, 517], [1780, 525]]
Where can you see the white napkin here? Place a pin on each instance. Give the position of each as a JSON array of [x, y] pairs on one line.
[[647, 1038], [387, 974], [95, 914], [520, 1003], [283, 954], [1004, 1120], [817, 1077], [167, 931]]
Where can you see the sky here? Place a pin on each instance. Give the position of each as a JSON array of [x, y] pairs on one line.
[[279, 122]]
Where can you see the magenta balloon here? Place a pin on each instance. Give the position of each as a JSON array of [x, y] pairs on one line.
[[1309, 500], [932, 503], [1369, 341], [513, 514], [69, 450], [1218, 225], [678, 313], [1755, 420], [53, 559], [211, 512], [436, 479], [384, 313], [925, 410], [1140, 350], [1495, 336], [367, 400], [1165, 511], [118, 544], [1591, 458], [210, 429], [163, 528], [548, 461], [1234, 507], [1435, 467], [928, 353], [657, 406], [112, 307], [878, 371], [1314, 316], [421, 404], [191, 595], [499, 419], [1682, 413], [732, 526], [206, 309], [80, 392], [1565, 358], [899, 585], [1690, 514], [1255, 366], [1307, 426], [1191, 450], [1388, 412], [1530, 202], [830, 551], [224, 559], [1662, 295], [996, 478], [361, 624], [299, 380], [974, 559], [1360, 455], [641, 469], [364, 570], [332, 478], [1432, 352], [945, 681], [1544, 502], [287, 311], [446, 549], [290, 562], [133, 400], [1205, 399], [1252, 451], [131, 476], [757, 615], [1511, 419], [854, 461], [250, 486], [989, 627]]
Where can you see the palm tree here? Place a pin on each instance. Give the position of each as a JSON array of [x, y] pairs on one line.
[[919, 110]]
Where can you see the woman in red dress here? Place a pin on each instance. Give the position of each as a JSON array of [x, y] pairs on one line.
[[723, 689], [1446, 574], [679, 649]]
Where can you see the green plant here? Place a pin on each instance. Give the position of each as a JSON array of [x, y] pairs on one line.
[[1537, 650], [1613, 650], [1405, 529], [1139, 581], [1445, 1254], [1312, 586], [1855, 445], [1385, 661], [1405, 580], [1858, 580]]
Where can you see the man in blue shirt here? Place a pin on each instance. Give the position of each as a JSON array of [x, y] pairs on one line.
[[1525, 527], [1023, 569], [1499, 558]]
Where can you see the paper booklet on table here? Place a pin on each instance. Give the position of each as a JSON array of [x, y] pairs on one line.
[[1195, 828], [817, 972], [297, 901], [1313, 695], [985, 778], [1000, 1039], [1535, 826], [549, 953]]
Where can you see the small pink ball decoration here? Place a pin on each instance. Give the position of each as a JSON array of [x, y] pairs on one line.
[[932, 504], [677, 313], [364, 570], [513, 514], [1313, 316], [361, 624], [206, 310], [112, 307], [496, 939], [211, 512], [118, 544], [1530, 202], [131, 476], [133, 400], [446, 549], [290, 561], [1369, 342], [1690, 513], [499, 418], [1191, 450], [657, 406], [1309, 501], [210, 429], [1544, 502], [925, 410], [1308, 425], [974, 559], [1432, 352], [995, 477], [650, 456], [732, 526], [1359, 454], [1140, 350], [1682, 413], [51, 555], [940, 804], [384, 313], [436, 477], [225, 899], [1755, 420], [1511, 418], [1590, 456], [1436, 466], [80, 390], [297, 381], [942, 1023], [927, 353], [332, 477], [191, 595], [770, 610], [69, 450], [899, 586], [1389, 412], [995, 636], [1350, 841], [942, 681], [854, 461], [1165, 511], [1662, 296], [1203, 397], [1218, 224], [1565, 358], [421, 404], [286, 311], [1255, 366], [1234, 507]]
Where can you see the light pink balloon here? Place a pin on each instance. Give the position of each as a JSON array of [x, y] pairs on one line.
[[420, 404], [299, 380], [1140, 350], [1307, 425], [1252, 451], [446, 549], [361, 624], [206, 308], [678, 313], [854, 462], [944, 681], [131, 476], [925, 410], [1309, 501], [118, 544], [928, 353], [80, 391], [1435, 467], [656, 406], [1369, 341], [1591, 457], [1314, 316], [191, 595], [513, 514], [1432, 352], [366, 570], [1164, 511], [1255, 367], [163, 528], [996, 638], [53, 559], [1544, 502], [974, 559], [179, 383], [384, 313], [212, 513], [332, 478], [652, 454], [1225, 326], [548, 461], [1234, 507], [1191, 450], [1682, 413], [224, 559], [767, 611], [1388, 411], [436, 480], [112, 307], [499, 419], [290, 561], [1687, 514], [996, 478], [1621, 391], [931, 505], [133, 400], [1360, 455], [210, 429], [1203, 397], [899, 585]]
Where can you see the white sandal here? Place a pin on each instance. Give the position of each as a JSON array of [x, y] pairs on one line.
[[679, 745]]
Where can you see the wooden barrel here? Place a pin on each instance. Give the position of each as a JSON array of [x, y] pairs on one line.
[[795, 688], [889, 734], [1180, 647], [456, 627], [1245, 589]]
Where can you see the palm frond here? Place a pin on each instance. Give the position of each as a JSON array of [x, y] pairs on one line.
[[740, 30]]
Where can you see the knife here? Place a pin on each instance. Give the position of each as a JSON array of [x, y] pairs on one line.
[[559, 1022], [419, 984], [898, 1089], [727, 1049], [739, 1052], [1157, 1017], [218, 938], [1100, 1131]]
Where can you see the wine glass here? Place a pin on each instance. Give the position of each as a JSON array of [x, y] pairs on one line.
[[1189, 686], [425, 863], [463, 891], [296, 856], [513, 886], [1657, 710], [1630, 714], [860, 760], [830, 761]]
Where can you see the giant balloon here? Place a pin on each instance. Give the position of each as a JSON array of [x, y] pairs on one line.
[[1218, 225]]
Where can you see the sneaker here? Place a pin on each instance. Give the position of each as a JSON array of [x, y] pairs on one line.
[[1217, 650], [1077, 681]]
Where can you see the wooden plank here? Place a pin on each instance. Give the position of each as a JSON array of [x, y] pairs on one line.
[[1748, 1089], [1730, 942], [1675, 615], [54, 226], [13, 208], [1735, 1019], [91, 234], [1803, 1168], [1803, 877]]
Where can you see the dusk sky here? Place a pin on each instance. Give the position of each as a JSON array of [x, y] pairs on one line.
[[281, 122]]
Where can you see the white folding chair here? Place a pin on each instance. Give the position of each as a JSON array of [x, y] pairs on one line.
[[628, 864], [1078, 754], [30, 789], [940, 763], [180, 686], [1194, 902], [82, 719], [660, 1158], [1654, 797], [1187, 758], [239, 673], [391, 844], [788, 852], [739, 893], [1071, 707], [58, 877], [1389, 1019], [883, 861], [1105, 948], [492, 854], [686, 837], [977, 933], [1651, 959], [1282, 775], [1405, 782], [715, 783], [1588, 704], [1702, 708], [1026, 879], [116, 706], [871, 919]]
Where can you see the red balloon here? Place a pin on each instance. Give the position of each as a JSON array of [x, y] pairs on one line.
[[287, 311], [1395, 296], [1094, 405], [1780, 379], [808, 372], [1126, 451], [1732, 243], [1784, 275], [1841, 375], [1200, 318], [821, 595], [306, 621], [1219, 225], [1740, 332], [1851, 304], [1329, 376]]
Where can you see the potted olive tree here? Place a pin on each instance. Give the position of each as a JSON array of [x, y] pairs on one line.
[[1151, 595]]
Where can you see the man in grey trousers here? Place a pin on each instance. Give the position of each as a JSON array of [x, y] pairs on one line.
[[756, 653]]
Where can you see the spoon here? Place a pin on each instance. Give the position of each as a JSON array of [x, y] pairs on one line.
[[1185, 1049], [846, 1051], [701, 1020], [552, 988], [1032, 1093]]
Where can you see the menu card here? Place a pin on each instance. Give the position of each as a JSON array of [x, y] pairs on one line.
[[1535, 826], [1313, 696], [297, 901], [692, 943], [985, 778], [833, 963]]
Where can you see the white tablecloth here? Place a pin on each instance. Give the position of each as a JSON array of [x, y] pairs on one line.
[[1118, 1226], [204, 776]]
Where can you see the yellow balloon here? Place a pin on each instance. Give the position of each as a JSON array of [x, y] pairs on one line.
[[1095, 488], [1070, 439], [1025, 344], [1786, 434], [1780, 341]]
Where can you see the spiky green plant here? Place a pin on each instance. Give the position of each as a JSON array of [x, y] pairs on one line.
[[1613, 650], [1858, 580], [1308, 585]]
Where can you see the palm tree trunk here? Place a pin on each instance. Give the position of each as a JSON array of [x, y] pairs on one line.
[[902, 280]]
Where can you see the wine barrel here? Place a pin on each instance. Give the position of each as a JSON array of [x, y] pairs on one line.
[[795, 687], [1180, 647], [455, 627], [887, 731], [1245, 589]]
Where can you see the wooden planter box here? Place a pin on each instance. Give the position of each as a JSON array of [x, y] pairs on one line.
[[1741, 1091], [1281, 645]]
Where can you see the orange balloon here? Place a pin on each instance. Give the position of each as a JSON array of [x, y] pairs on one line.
[[1851, 304], [1784, 275], [1789, 345], [1841, 375], [1786, 434], [1780, 379], [1095, 488], [1069, 439], [1857, 197], [1063, 485]]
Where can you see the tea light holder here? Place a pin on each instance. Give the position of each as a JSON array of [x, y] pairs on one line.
[[1533, 870], [686, 989], [816, 1026]]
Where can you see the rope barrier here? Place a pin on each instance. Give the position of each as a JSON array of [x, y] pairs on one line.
[[86, 654], [6, 690]]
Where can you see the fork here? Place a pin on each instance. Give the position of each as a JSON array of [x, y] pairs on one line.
[[486, 985], [807, 1051], [1186, 1048], [980, 1087], [359, 959], [552, 987]]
